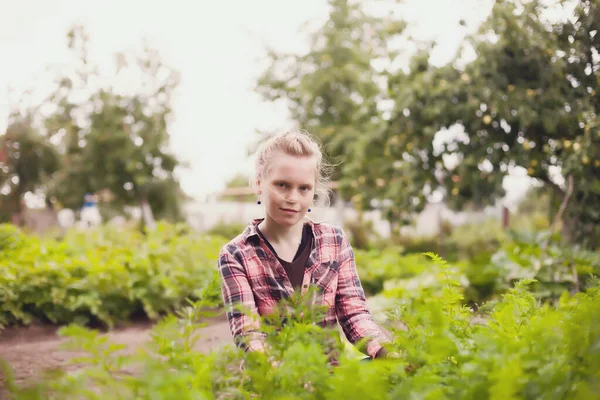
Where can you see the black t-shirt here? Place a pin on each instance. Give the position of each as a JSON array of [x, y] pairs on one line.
[[295, 269]]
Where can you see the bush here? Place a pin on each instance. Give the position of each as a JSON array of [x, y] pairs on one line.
[[226, 230], [375, 267], [11, 239], [490, 261], [477, 242], [468, 242], [361, 233], [556, 268], [518, 349], [105, 275]]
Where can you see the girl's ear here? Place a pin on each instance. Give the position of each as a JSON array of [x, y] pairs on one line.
[[258, 186]]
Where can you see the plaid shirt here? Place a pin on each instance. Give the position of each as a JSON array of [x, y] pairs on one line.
[[252, 276]]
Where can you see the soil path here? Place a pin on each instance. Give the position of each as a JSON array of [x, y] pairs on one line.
[[31, 350]]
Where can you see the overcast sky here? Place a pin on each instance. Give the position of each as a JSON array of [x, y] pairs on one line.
[[217, 47]]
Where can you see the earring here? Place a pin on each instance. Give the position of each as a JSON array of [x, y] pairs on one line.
[[259, 202], [309, 210]]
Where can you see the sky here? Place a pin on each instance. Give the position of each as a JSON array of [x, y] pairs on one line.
[[218, 47]]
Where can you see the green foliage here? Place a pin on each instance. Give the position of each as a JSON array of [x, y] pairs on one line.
[[332, 91], [239, 181], [123, 145], [534, 211], [528, 99], [476, 241], [530, 103], [105, 275], [518, 349], [27, 159], [375, 267], [226, 230], [488, 261], [555, 268], [11, 239], [362, 233]]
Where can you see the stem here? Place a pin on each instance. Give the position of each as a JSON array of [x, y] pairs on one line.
[[18, 208], [575, 278], [557, 189], [560, 212]]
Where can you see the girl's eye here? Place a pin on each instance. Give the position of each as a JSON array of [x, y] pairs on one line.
[[304, 188], [281, 185]]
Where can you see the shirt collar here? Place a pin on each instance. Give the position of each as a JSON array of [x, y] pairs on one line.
[[251, 230]]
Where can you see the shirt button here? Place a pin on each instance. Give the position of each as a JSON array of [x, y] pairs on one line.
[[305, 286]]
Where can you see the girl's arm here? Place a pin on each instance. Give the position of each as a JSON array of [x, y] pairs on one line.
[[351, 305], [242, 313]]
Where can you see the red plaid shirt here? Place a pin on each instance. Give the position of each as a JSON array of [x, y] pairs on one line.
[[252, 276]]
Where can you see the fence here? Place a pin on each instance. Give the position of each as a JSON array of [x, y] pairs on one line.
[[204, 215]]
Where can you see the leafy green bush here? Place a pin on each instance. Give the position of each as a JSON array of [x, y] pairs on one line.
[[554, 266], [11, 239], [361, 233], [477, 242], [419, 245], [375, 267], [490, 260], [518, 349], [105, 275], [226, 230], [522, 255]]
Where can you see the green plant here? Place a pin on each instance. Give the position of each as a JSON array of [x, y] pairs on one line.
[[375, 267], [104, 275], [227, 230], [361, 233], [476, 242], [555, 267], [516, 348]]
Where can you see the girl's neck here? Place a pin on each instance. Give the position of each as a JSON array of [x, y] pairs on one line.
[[277, 233]]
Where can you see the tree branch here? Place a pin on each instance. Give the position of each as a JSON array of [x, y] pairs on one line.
[[575, 278], [560, 212], [554, 186]]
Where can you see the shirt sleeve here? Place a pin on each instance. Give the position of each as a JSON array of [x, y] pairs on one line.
[[351, 305], [242, 314]]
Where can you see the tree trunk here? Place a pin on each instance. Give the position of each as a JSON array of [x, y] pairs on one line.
[[147, 216], [441, 233], [559, 215], [18, 215], [505, 218]]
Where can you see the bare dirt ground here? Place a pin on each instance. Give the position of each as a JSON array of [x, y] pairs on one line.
[[32, 350]]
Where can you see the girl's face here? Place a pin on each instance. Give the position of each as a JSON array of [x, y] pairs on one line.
[[288, 188]]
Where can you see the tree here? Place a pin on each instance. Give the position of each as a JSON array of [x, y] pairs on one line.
[[113, 141], [238, 181], [27, 159], [333, 91], [529, 99]]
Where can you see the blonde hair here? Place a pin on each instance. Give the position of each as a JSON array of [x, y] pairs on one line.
[[293, 144]]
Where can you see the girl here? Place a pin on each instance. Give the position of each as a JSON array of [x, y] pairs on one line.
[[285, 252]]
